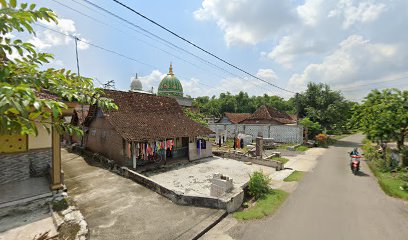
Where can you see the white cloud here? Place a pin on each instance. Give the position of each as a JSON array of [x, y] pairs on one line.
[[47, 38], [310, 12], [267, 74], [152, 80], [366, 11], [355, 60], [245, 21]]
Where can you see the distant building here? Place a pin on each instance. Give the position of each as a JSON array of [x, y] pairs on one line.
[[266, 121], [170, 86]]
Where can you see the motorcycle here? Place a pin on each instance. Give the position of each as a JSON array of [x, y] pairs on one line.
[[355, 164]]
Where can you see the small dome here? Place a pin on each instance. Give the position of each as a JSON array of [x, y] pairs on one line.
[[170, 85], [136, 84]]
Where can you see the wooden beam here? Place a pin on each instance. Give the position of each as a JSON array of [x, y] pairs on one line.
[[56, 183]]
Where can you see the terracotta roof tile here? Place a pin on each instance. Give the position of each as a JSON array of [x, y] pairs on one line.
[[265, 114], [149, 117], [237, 117]]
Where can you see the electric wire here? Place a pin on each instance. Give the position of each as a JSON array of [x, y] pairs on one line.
[[108, 50], [180, 48], [198, 47], [145, 42]]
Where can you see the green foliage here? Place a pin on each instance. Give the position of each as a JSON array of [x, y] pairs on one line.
[[322, 140], [294, 176], [312, 128], [383, 116], [195, 116], [60, 205], [258, 184], [392, 184], [264, 207], [280, 159], [301, 148], [240, 103], [325, 106], [25, 77]]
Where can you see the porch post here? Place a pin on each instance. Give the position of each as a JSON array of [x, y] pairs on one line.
[[56, 160], [134, 151], [165, 151]]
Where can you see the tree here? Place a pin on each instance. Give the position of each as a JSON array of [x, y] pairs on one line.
[[197, 117], [311, 128], [23, 78], [325, 106], [383, 115], [240, 103]]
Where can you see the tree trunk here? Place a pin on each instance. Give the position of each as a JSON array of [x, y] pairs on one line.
[[400, 142]]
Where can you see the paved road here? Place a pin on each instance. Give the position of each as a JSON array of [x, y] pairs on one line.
[[117, 208], [331, 203]]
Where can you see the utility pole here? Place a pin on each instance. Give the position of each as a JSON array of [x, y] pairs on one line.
[[297, 108], [77, 63], [76, 53]]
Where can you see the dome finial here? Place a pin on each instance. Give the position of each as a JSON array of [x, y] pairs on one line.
[[171, 69]]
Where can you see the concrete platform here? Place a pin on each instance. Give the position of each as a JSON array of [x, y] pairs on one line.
[[117, 208], [30, 189], [194, 178]]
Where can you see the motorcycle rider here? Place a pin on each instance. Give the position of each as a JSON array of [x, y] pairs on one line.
[[354, 153]]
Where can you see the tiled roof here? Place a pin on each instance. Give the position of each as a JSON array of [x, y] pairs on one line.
[[237, 117], [44, 94], [265, 114], [149, 117]]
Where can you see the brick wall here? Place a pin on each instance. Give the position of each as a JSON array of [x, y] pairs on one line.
[[21, 166], [102, 138]]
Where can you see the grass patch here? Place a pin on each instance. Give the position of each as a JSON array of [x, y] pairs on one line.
[[279, 159], [390, 182], [263, 207], [60, 205], [284, 146], [301, 148], [295, 176]]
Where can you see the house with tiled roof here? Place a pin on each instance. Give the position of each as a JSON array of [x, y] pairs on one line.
[[268, 115], [234, 118], [266, 121], [144, 124]]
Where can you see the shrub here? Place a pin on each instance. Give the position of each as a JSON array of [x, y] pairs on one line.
[[321, 140], [259, 184]]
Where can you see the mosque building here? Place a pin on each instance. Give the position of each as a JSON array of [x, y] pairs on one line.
[[170, 86]]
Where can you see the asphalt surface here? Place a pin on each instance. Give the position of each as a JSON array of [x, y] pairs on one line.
[[332, 203]]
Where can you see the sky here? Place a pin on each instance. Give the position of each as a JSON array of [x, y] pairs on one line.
[[354, 46]]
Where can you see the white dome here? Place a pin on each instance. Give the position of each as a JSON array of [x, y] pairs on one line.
[[136, 84]]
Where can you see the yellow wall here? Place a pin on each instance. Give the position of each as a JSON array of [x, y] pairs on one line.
[[13, 143], [42, 140]]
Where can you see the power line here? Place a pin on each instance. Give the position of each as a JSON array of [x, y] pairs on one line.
[[346, 89], [175, 46], [107, 50], [198, 47], [145, 42]]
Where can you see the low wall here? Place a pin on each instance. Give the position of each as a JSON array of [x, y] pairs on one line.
[[21, 166], [239, 157], [178, 197], [229, 205]]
